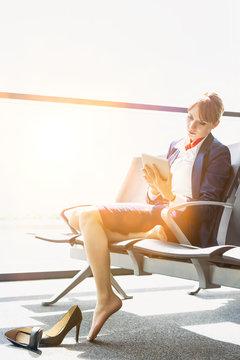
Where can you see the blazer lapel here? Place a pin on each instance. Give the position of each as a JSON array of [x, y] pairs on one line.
[[198, 166], [173, 155]]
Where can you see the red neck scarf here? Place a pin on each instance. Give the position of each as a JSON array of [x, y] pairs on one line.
[[193, 143]]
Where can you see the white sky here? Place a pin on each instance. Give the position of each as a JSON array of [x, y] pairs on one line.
[[148, 51], [152, 51]]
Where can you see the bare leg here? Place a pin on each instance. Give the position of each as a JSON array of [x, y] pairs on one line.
[[96, 245], [74, 218], [157, 232]]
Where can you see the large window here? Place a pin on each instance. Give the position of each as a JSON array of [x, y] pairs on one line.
[[142, 51], [149, 52], [56, 155]]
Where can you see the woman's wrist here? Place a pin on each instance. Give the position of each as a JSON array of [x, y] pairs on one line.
[[172, 197], [153, 191]]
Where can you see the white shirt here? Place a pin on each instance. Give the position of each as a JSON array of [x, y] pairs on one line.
[[181, 170]]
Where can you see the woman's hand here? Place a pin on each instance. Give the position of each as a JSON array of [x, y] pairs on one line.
[[157, 183]]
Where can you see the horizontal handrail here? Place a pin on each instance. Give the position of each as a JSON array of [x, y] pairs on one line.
[[90, 102]]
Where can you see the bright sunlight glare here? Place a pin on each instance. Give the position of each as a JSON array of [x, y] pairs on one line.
[[182, 305], [223, 331]]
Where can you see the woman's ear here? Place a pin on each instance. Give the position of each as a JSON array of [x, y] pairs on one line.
[[215, 124]]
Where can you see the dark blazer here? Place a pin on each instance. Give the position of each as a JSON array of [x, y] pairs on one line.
[[210, 174]]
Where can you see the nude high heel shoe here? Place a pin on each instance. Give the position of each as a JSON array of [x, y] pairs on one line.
[[28, 337], [57, 333]]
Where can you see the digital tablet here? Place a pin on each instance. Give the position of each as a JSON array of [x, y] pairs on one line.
[[161, 163]]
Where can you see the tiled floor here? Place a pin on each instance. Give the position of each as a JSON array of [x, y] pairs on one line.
[[160, 322]]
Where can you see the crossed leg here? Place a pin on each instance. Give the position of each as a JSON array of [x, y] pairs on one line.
[[96, 241], [157, 232], [96, 246]]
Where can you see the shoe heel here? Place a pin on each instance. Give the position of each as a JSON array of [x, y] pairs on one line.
[[77, 331], [35, 338]]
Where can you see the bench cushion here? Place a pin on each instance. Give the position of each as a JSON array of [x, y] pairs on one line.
[[159, 247], [232, 256]]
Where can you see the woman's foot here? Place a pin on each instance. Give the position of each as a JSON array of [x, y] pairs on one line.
[[157, 233], [102, 312]]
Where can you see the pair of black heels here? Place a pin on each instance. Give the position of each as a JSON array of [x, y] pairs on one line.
[[32, 338]]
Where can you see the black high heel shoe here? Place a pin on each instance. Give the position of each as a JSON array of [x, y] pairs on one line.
[[28, 338], [32, 338]]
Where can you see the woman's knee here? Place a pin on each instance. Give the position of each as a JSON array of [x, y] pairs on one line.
[[74, 220], [89, 216]]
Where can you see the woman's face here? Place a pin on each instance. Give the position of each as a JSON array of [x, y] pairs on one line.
[[198, 128]]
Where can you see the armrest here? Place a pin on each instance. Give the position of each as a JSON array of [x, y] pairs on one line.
[[166, 216]]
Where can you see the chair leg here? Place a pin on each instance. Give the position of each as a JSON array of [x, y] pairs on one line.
[[116, 286], [79, 277], [195, 290], [204, 280]]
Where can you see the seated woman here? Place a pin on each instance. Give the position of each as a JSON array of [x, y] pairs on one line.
[[200, 167]]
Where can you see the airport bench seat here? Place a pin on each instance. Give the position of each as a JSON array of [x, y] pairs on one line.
[[210, 267]]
